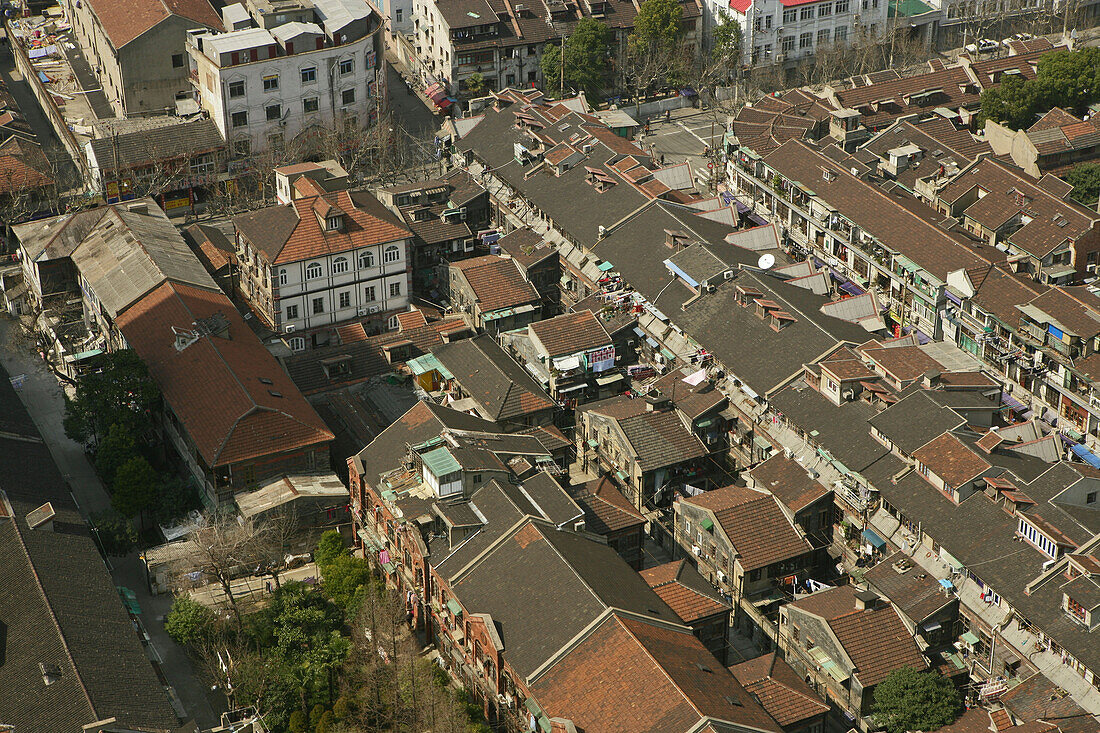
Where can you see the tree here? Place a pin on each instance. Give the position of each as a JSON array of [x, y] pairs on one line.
[[910, 700], [475, 84], [657, 25], [225, 548], [1085, 180], [116, 448], [189, 622], [344, 579], [116, 534], [134, 488], [1066, 78], [329, 548], [1014, 102], [118, 391], [587, 60]]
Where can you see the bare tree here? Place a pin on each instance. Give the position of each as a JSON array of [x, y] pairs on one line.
[[226, 548]]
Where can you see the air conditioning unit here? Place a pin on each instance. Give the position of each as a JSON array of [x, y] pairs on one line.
[[289, 328], [362, 310], [374, 309]]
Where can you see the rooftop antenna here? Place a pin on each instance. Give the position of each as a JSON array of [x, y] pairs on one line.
[[766, 261]]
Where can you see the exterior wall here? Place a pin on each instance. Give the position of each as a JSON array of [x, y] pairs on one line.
[[212, 84], [151, 77], [798, 633], [764, 26]]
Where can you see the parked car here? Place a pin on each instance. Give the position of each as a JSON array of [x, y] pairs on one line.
[[984, 45]]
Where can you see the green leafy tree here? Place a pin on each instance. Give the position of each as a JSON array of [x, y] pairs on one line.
[[1085, 180], [726, 40], [910, 700], [135, 487], [344, 581], [118, 392], [115, 533], [329, 547], [657, 26], [189, 622], [115, 449], [297, 722], [587, 60], [1069, 79], [475, 84], [177, 496]]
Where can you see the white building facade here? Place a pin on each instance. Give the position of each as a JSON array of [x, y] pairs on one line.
[[313, 66], [792, 31]]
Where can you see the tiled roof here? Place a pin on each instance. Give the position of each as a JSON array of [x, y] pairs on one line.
[[570, 333], [875, 639], [756, 526], [915, 420], [486, 372], [496, 282], [906, 363], [123, 22], [784, 694], [155, 145], [951, 460], [292, 232], [627, 675], [789, 482], [213, 246], [659, 439], [526, 247], [214, 385], [605, 508], [686, 592], [916, 593], [1037, 698]]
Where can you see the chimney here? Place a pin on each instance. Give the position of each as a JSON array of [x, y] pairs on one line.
[[138, 207], [866, 600], [931, 379], [42, 518]]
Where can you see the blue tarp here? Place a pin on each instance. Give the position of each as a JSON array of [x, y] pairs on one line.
[[1086, 455], [43, 78], [1012, 402], [851, 288], [946, 583], [874, 539]]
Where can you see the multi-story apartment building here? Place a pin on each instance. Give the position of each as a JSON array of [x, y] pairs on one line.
[[790, 31], [322, 256], [285, 67], [138, 48], [455, 39]]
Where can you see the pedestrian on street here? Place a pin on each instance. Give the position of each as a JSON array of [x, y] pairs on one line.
[[668, 115]]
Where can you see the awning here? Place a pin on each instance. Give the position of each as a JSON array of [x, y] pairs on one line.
[[388, 567], [707, 525], [970, 638], [1012, 402], [761, 443], [948, 558], [593, 443], [1086, 455], [604, 266], [567, 363], [946, 583], [602, 381], [668, 354], [851, 288], [574, 388], [83, 355], [932, 626], [454, 607], [874, 539]]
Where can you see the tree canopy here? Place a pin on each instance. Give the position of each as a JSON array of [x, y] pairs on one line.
[[135, 487], [1069, 79], [189, 622], [726, 40], [1085, 180], [910, 700], [587, 60], [119, 392], [657, 25]]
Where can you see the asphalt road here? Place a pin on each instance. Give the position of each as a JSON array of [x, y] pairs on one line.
[[685, 137], [408, 108]]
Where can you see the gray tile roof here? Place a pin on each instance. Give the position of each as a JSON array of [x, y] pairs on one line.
[[493, 379], [147, 147], [914, 421]]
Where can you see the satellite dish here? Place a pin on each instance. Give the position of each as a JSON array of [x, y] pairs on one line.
[[766, 261]]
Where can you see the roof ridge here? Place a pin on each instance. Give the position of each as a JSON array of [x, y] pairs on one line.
[[53, 615], [661, 667]]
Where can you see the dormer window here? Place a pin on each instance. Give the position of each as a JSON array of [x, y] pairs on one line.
[[334, 223]]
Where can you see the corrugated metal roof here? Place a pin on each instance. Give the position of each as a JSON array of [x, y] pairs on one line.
[[441, 462]]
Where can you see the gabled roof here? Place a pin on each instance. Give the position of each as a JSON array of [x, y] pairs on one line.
[[124, 22], [635, 675], [503, 388], [788, 481], [570, 333], [659, 439], [231, 395], [915, 420], [606, 510], [157, 145], [757, 528], [293, 232], [784, 694], [917, 594], [686, 592], [951, 460], [496, 282]]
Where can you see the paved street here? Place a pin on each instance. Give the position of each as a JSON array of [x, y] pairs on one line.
[[685, 137], [409, 109], [42, 396]]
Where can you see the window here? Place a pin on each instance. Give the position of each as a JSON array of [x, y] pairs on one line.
[[347, 66], [758, 23], [297, 344], [531, 50], [318, 305], [395, 290], [239, 119], [271, 83], [291, 312], [394, 323], [788, 43], [808, 13], [339, 265], [532, 76], [347, 97], [790, 15], [400, 13], [345, 300], [309, 105], [236, 89], [392, 254], [823, 36], [274, 111], [840, 34], [1075, 608], [366, 259], [335, 224], [767, 21], [282, 276], [309, 75], [369, 294], [177, 60], [510, 80], [833, 386], [841, 6], [754, 575], [313, 271], [1090, 498], [806, 40], [824, 10]]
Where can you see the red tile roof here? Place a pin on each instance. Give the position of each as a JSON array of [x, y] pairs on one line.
[[779, 689], [756, 526], [789, 482], [215, 385], [410, 320], [606, 509], [571, 333], [496, 282], [125, 21], [684, 595], [629, 676], [951, 460]]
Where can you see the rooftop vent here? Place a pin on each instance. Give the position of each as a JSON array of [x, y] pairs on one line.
[[50, 673], [42, 517]]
